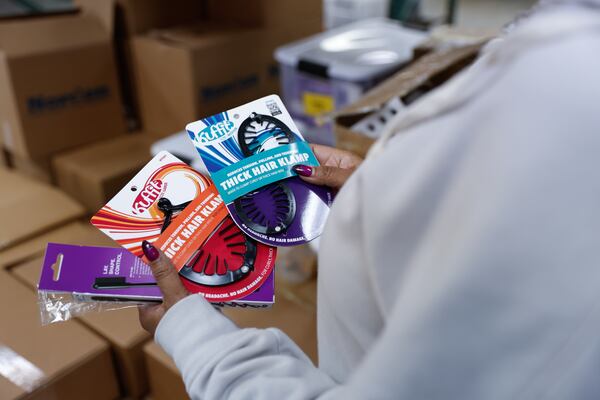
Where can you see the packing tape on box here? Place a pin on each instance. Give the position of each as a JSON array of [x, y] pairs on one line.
[[19, 370]]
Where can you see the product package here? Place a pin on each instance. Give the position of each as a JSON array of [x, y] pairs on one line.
[[180, 211], [78, 279], [97, 273], [250, 151]]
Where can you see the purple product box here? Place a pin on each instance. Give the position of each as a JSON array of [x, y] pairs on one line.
[[108, 273]]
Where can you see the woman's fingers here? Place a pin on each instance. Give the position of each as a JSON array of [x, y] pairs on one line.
[[333, 157], [150, 316], [333, 177], [167, 279], [165, 274], [335, 169]]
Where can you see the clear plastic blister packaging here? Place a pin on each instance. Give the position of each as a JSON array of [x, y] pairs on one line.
[[63, 306]]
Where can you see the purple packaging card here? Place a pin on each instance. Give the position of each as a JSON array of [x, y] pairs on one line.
[[99, 271], [94, 273]]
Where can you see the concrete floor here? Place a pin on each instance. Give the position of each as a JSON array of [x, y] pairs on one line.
[[480, 14]]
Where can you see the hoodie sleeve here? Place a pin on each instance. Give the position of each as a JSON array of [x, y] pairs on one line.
[[218, 360]]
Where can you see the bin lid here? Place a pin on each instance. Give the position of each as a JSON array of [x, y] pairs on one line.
[[354, 52]]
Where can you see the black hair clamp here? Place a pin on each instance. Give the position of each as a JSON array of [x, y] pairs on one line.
[[271, 209]]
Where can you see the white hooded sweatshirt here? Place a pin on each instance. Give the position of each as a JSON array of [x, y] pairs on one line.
[[461, 260]]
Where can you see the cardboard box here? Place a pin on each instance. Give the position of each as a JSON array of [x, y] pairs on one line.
[[59, 84], [4, 161], [425, 74], [73, 233], [61, 361], [265, 13], [292, 312], [3, 157], [94, 174], [27, 208], [121, 328], [445, 37], [165, 379], [133, 17], [38, 170], [139, 16], [186, 73], [183, 74]]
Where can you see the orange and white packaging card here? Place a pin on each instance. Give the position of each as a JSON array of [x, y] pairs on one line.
[[180, 211]]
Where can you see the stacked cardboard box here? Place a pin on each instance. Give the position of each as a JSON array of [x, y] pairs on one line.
[[165, 379], [28, 209], [34, 214], [120, 328], [76, 233], [184, 59], [135, 17], [59, 87], [265, 13], [61, 112], [62, 361], [131, 17], [281, 22], [3, 155], [186, 72], [95, 173], [183, 73], [38, 169]]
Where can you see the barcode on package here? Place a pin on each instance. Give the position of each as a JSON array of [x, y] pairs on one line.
[[273, 108]]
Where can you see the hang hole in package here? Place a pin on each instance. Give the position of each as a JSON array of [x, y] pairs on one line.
[[250, 151], [180, 211]]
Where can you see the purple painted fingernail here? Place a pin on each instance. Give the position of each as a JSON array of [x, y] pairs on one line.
[[303, 170], [150, 251]]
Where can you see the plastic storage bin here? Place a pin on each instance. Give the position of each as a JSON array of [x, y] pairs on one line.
[[327, 71]]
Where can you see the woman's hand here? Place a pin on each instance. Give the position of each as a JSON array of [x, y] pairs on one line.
[[169, 283], [335, 169]]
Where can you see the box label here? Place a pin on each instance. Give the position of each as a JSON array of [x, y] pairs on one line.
[[78, 96], [317, 104]]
